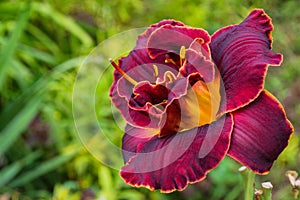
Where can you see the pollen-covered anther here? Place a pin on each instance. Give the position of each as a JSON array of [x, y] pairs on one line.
[[182, 55], [155, 69]]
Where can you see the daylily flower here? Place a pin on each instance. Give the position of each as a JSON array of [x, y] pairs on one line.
[[190, 99]]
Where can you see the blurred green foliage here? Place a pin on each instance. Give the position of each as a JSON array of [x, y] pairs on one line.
[[42, 44]]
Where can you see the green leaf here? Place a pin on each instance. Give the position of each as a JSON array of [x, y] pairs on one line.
[[10, 47], [64, 21]]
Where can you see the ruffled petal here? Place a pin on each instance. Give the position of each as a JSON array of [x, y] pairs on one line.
[[143, 38], [170, 38], [198, 46], [242, 54], [170, 163], [261, 132]]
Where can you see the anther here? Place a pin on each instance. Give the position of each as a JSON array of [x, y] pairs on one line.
[[182, 55], [155, 68]]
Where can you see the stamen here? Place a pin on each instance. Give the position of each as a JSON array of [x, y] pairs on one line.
[[182, 55], [169, 60], [128, 78]]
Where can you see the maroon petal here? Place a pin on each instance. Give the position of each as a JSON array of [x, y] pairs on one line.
[[170, 38], [133, 139], [261, 132], [242, 54], [170, 163]]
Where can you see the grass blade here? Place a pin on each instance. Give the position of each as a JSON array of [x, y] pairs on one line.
[[44, 39], [37, 54], [11, 131], [10, 47]]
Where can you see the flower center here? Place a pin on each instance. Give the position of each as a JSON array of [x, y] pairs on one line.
[[185, 100], [146, 93]]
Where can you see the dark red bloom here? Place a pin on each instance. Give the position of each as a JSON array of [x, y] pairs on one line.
[[190, 99]]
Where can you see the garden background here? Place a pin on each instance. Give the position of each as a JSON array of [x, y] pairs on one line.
[[43, 44]]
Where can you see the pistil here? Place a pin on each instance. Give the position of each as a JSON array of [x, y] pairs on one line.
[[126, 76]]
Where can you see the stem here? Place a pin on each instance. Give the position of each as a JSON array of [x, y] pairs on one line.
[[248, 179], [249, 189]]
